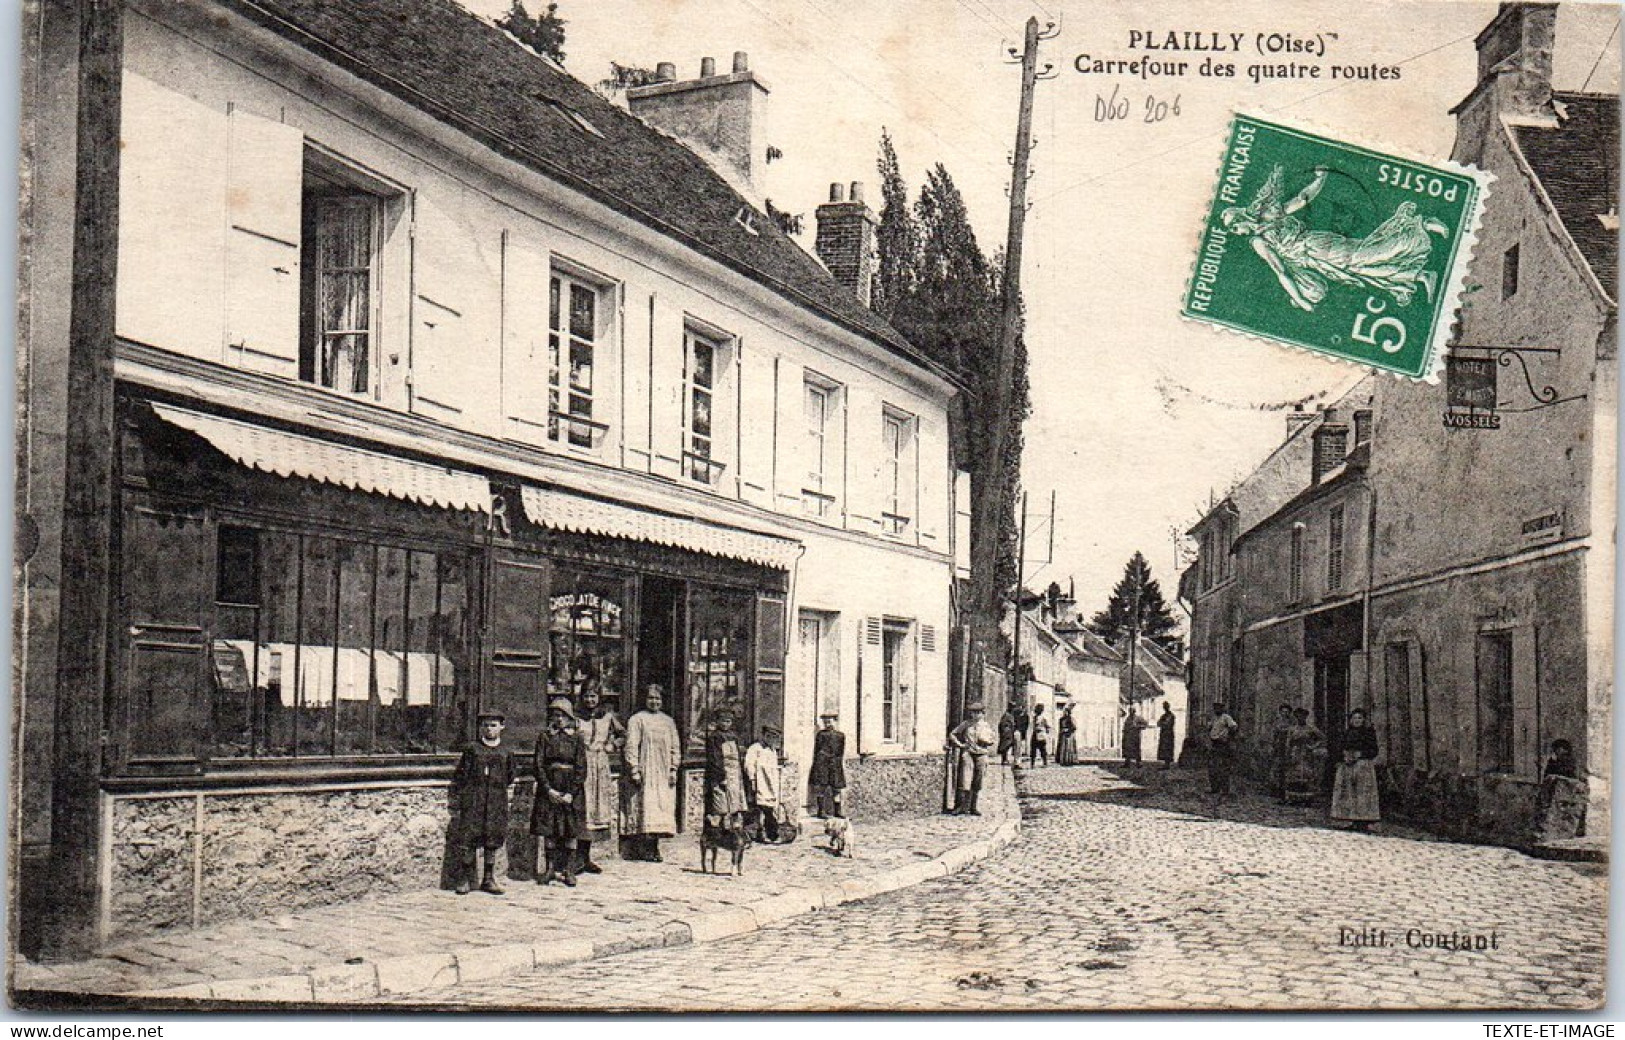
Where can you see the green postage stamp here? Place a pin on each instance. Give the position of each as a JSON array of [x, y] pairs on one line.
[[1336, 248]]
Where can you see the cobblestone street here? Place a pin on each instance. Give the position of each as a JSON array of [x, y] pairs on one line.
[[1123, 896]]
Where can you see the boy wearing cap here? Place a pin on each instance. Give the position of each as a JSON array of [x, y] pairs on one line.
[[762, 778], [559, 816], [480, 792], [827, 778]]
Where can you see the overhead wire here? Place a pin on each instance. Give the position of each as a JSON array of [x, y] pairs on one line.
[[1600, 55]]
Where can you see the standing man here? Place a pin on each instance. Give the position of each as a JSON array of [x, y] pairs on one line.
[[1221, 735], [762, 781], [973, 740], [1165, 736], [1280, 739], [1024, 721], [827, 778], [1007, 733], [1040, 745], [1133, 726], [653, 753]]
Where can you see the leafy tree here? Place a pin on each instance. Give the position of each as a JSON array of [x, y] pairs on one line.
[[897, 238], [1136, 604], [543, 33], [622, 77]]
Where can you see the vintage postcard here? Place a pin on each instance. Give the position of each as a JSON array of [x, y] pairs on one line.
[[717, 505]]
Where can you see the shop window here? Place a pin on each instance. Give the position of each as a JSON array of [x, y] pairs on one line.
[[577, 332], [343, 217], [1494, 681], [897, 470], [329, 647], [704, 361], [719, 656], [819, 495], [588, 637]]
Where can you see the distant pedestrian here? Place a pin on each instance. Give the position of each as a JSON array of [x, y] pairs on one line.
[[603, 734], [1040, 744], [1024, 722], [762, 783], [653, 753], [971, 742], [1133, 727], [1165, 736], [1221, 737], [559, 816], [1007, 734], [1354, 789], [480, 792], [1280, 736], [1066, 748], [826, 780]]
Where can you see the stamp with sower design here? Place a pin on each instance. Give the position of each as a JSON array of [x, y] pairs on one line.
[[1336, 248]]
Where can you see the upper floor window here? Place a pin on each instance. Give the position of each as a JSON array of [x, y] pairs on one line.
[[1334, 549], [897, 470], [703, 357], [576, 333], [338, 291], [820, 399], [1509, 273]]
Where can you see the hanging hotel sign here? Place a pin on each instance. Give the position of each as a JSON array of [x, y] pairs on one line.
[[1470, 393]]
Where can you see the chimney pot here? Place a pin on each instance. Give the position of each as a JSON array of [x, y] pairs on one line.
[[846, 239], [708, 68], [837, 193], [857, 191], [741, 61], [665, 72]]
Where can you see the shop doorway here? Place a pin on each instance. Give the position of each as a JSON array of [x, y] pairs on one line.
[[1332, 706], [661, 623]]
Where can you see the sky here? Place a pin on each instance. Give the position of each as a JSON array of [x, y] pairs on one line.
[[1140, 419]]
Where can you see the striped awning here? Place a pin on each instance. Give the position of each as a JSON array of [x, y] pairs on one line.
[[566, 512], [291, 455]]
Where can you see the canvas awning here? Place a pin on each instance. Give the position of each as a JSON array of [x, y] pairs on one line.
[[292, 455], [566, 512]]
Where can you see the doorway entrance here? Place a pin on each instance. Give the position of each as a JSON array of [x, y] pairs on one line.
[[661, 622]]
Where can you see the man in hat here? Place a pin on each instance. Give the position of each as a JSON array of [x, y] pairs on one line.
[[762, 780], [973, 740], [480, 794], [559, 816], [653, 753], [827, 779]]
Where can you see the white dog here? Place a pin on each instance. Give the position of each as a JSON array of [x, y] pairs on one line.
[[842, 840]]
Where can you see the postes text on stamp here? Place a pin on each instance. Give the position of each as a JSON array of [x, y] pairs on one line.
[[1335, 248]]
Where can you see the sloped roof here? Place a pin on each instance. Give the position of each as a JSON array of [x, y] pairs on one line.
[[1091, 645], [468, 74], [1577, 162]]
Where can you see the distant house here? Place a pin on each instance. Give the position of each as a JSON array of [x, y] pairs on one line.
[[381, 373]]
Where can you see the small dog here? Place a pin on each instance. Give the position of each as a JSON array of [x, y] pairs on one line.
[[838, 829], [735, 839]]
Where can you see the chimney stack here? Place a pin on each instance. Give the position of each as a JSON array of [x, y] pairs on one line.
[[846, 240], [717, 116], [1514, 72]]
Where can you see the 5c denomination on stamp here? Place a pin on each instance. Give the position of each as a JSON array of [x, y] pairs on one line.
[[1336, 248]]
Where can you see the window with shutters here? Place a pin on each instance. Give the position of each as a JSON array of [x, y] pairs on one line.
[[896, 681], [577, 330], [820, 493], [345, 214], [898, 473]]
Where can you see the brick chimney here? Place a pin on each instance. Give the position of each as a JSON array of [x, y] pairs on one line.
[[846, 239], [719, 117], [1514, 74]]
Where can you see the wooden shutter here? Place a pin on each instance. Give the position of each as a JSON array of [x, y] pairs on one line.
[[1526, 751], [666, 390], [771, 646], [758, 412], [166, 591], [457, 285], [265, 165], [172, 203], [636, 326], [526, 275], [517, 614], [932, 509], [790, 437], [864, 448]]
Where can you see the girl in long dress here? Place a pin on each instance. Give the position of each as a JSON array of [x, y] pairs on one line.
[[1066, 750], [1354, 790], [1390, 259], [726, 801], [602, 733]]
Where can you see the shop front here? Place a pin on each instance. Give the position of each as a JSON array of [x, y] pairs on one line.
[[307, 629]]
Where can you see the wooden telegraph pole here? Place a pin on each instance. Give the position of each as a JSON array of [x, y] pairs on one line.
[[988, 500]]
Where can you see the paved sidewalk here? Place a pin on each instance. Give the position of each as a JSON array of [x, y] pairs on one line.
[[401, 943]]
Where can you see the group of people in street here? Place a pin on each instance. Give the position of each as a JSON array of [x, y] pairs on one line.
[[1134, 725], [579, 798], [1301, 766], [1026, 735]]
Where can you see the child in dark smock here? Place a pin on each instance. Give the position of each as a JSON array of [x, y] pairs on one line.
[[480, 792]]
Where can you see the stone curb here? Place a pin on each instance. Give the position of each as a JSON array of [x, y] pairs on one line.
[[398, 976]]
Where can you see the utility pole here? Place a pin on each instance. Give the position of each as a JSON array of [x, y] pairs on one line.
[[1015, 638], [988, 502]]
